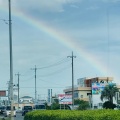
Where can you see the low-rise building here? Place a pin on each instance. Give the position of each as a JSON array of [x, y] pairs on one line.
[[89, 89]]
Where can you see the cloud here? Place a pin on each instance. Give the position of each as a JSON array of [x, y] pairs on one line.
[[44, 5], [92, 8]]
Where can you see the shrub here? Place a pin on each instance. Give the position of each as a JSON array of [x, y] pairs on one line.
[[73, 115], [108, 105]]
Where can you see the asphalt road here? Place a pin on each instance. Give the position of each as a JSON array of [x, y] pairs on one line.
[[18, 116]]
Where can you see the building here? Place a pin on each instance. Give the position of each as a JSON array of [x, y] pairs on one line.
[[23, 101], [87, 89], [26, 99]]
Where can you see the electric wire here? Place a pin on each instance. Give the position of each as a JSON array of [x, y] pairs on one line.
[[30, 78], [56, 72], [49, 82], [55, 64], [42, 87]]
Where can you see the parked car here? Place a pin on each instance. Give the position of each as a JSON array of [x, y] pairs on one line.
[[2, 109], [39, 107], [8, 111], [26, 109]]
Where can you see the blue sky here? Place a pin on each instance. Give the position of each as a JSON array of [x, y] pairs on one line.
[[93, 25]]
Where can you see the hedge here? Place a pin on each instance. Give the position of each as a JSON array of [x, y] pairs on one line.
[[73, 115]]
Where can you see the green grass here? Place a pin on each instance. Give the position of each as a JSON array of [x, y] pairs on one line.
[[4, 118]]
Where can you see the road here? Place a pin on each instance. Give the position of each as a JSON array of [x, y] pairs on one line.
[[18, 116]]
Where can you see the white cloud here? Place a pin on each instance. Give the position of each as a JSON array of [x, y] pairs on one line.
[[44, 5], [92, 8]]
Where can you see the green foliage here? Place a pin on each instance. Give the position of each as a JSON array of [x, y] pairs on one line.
[[108, 105], [109, 92], [55, 106], [83, 105], [77, 101], [47, 107], [73, 115]]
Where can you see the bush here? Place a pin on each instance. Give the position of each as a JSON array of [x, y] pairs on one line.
[[108, 105], [73, 115]]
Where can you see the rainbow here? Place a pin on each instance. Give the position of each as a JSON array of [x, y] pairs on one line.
[[60, 37]]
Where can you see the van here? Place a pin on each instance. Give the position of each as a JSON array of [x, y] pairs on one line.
[[8, 111]]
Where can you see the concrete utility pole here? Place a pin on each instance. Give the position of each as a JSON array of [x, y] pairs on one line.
[[11, 60], [35, 69], [8, 92], [72, 80], [18, 87]]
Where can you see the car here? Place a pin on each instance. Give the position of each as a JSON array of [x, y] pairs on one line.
[[26, 109], [8, 111], [2, 109], [39, 107]]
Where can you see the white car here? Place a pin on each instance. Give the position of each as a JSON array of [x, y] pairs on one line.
[[8, 111]]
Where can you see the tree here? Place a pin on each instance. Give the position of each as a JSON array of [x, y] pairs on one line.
[[82, 105], [108, 105], [55, 106], [109, 92]]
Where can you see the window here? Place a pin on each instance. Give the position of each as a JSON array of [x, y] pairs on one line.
[[81, 96], [88, 94]]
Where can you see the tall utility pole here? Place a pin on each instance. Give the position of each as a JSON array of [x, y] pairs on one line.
[[8, 92], [72, 79], [18, 87], [11, 60], [35, 69]]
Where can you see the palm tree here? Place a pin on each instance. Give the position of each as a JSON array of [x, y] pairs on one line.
[[109, 92]]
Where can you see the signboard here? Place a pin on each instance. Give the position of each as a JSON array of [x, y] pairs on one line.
[[97, 88], [2, 93], [65, 99]]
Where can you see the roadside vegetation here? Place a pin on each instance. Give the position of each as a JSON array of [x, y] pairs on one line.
[[108, 94], [103, 114]]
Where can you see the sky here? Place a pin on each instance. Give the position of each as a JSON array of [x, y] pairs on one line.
[[45, 32]]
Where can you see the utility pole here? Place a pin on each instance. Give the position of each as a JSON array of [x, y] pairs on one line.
[[18, 87], [72, 79], [8, 92], [35, 69], [11, 60]]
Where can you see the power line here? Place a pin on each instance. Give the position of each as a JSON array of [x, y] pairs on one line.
[[48, 81], [43, 87], [55, 64], [55, 72], [28, 79], [5, 21]]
